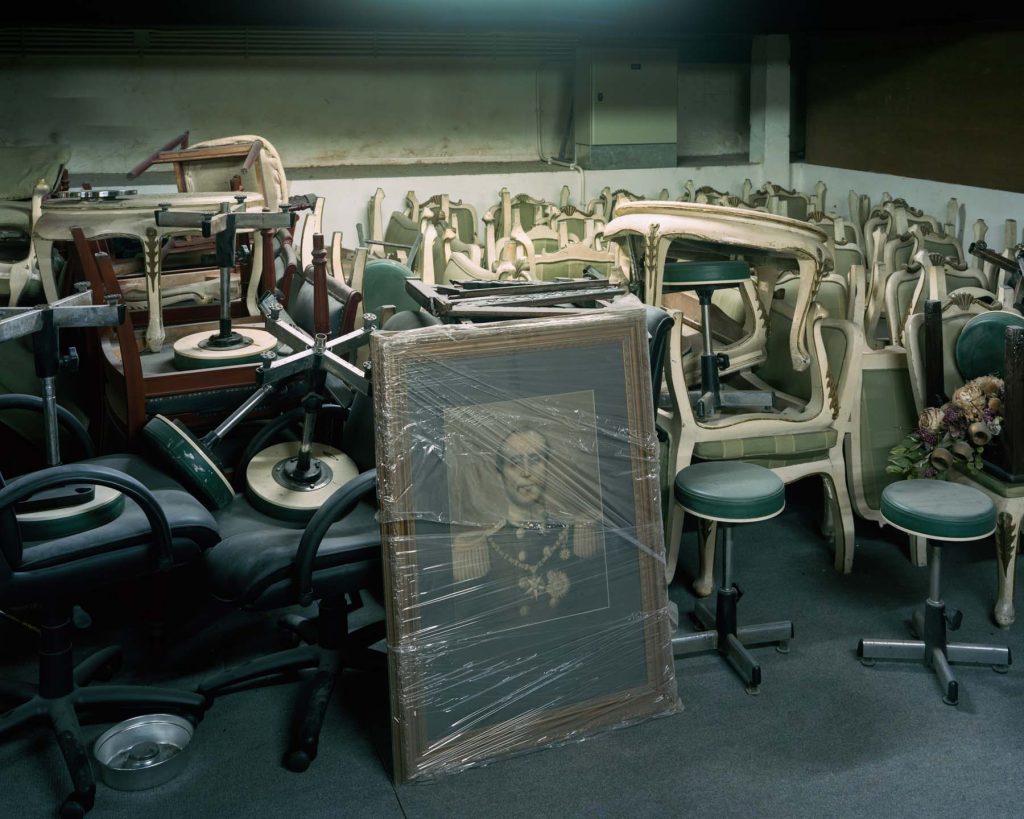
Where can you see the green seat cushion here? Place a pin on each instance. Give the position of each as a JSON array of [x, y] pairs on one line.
[[730, 491], [948, 511], [795, 445], [981, 346], [698, 274], [384, 283]]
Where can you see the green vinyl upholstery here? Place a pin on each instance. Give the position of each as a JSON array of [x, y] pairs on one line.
[[705, 274], [770, 450], [937, 509], [730, 491], [981, 345]]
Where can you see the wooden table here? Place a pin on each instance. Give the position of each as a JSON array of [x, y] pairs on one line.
[[657, 224], [131, 217]]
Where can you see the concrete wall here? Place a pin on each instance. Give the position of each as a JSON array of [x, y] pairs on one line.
[[330, 112], [315, 112], [714, 109]]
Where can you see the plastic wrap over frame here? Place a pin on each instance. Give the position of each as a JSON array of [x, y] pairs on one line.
[[523, 546]]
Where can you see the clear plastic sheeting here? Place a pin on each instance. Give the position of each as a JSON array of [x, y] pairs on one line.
[[523, 546]]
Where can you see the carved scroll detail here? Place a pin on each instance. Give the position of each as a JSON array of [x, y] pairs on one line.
[[152, 251], [1006, 534]]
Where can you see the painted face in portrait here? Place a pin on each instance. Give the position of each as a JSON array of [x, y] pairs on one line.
[[523, 464]]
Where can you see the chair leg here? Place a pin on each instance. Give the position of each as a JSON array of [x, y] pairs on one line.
[[843, 531], [707, 534], [99, 666], [310, 712], [19, 692], [22, 715], [139, 696], [69, 738], [283, 662]]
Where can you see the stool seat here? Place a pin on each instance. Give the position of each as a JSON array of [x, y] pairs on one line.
[[730, 491], [706, 274], [937, 509]]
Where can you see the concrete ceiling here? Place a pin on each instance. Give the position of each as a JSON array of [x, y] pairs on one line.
[[664, 17]]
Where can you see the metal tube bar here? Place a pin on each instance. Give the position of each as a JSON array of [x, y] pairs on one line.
[[980, 654], [892, 650], [694, 643], [765, 633], [726, 555], [705, 325], [934, 571], [49, 385], [234, 418], [306, 447], [946, 677]]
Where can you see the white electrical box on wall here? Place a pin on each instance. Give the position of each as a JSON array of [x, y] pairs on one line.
[[625, 107]]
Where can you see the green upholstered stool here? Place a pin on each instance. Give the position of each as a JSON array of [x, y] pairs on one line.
[[937, 511], [730, 492], [705, 278]]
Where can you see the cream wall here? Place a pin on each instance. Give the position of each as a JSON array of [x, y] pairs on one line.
[[980, 203]]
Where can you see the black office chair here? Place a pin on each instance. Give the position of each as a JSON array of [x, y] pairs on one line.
[[161, 526], [265, 563]]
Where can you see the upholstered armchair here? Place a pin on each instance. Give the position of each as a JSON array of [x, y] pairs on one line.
[[959, 362], [805, 438]]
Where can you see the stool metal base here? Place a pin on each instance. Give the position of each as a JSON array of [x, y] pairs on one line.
[[721, 634], [934, 651]]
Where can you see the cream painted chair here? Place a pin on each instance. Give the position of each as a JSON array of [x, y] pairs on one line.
[[805, 438], [986, 327], [571, 261], [576, 226], [211, 165]]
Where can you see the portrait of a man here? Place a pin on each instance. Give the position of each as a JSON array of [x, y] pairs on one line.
[[532, 560]]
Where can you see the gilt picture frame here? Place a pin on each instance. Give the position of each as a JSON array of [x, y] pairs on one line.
[[522, 536]]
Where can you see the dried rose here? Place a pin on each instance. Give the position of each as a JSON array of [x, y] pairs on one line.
[[930, 419]]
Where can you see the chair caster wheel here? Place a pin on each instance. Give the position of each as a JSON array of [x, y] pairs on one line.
[[1001, 669], [949, 701], [753, 690], [782, 648], [867, 662], [297, 761], [72, 809]]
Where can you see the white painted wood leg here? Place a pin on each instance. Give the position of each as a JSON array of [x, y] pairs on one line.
[[707, 532], [44, 258], [676, 515], [151, 260], [19, 275], [255, 276], [843, 532], [800, 355], [1007, 541]]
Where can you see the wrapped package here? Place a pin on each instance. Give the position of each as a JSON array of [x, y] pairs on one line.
[[523, 545]]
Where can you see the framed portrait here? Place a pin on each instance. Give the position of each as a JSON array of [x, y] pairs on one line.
[[523, 546]]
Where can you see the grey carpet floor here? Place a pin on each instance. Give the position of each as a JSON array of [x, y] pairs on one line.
[[826, 736]]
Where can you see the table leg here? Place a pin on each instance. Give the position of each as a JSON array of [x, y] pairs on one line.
[[155, 330], [255, 276], [44, 256], [809, 270]]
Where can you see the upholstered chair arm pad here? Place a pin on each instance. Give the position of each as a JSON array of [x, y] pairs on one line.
[[338, 506], [54, 476]]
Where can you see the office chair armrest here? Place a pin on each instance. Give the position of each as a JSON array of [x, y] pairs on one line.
[[26, 485], [338, 505], [21, 401]]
